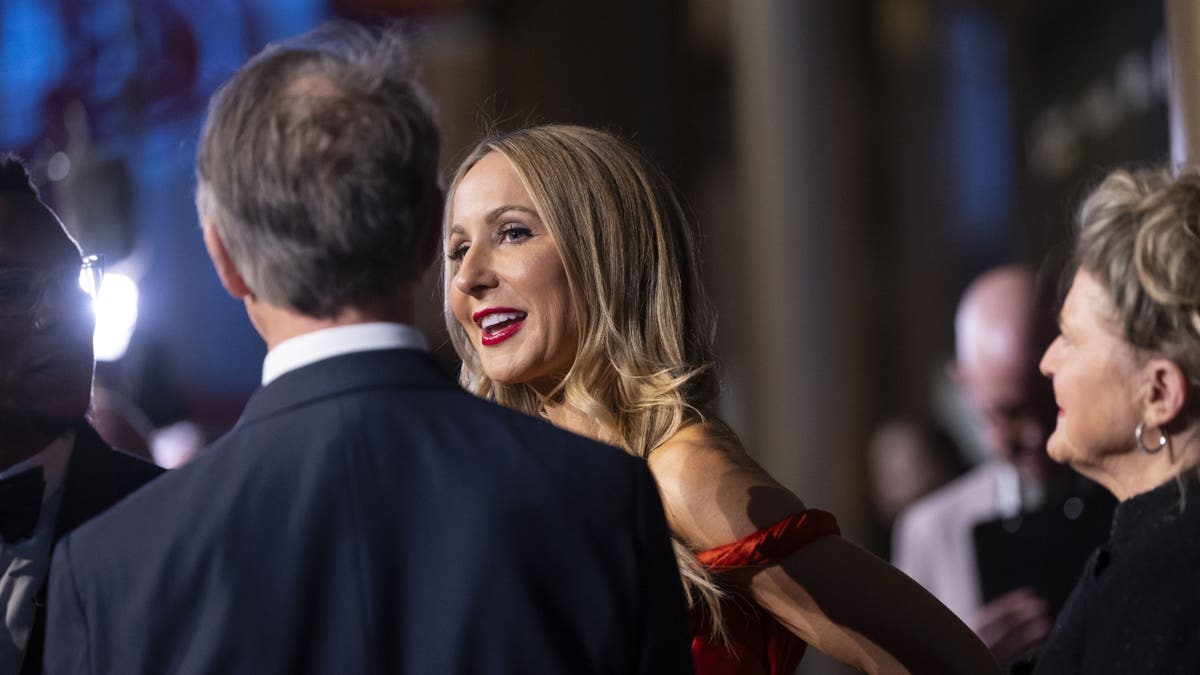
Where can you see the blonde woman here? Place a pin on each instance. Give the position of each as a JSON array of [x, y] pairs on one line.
[[1126, 371], [573, 292]]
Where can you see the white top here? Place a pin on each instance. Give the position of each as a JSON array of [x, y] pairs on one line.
[[26, 563], [933, 541], [327, 343]]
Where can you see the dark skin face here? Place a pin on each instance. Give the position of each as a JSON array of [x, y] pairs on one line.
[[45, 354]]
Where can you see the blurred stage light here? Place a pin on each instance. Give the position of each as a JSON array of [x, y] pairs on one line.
[[58, 166], [116, 308]]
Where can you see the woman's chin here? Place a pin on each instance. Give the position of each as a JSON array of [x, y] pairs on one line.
[[1059, 451], [504, 377]]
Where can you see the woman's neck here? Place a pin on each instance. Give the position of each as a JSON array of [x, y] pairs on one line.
[[1133, 473], [572, 419]]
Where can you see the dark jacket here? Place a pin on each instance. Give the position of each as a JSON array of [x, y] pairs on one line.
[[97, 477], [366, 515], [1137, 607]]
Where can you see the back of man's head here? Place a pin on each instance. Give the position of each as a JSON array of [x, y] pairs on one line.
[[317, 166]]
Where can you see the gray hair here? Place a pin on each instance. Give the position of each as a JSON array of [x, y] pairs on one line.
[[318, 167], [1139, 234]]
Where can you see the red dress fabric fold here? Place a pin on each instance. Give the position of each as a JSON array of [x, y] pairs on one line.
[[758, 644]]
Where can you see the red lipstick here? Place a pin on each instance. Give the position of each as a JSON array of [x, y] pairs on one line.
[[497, 324], [490, 339]]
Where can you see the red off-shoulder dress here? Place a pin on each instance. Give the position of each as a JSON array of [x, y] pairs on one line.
[[758, 644]]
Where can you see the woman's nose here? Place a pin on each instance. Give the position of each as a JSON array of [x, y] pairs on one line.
[[475, 273]]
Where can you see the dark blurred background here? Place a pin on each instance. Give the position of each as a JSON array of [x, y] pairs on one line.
[[852, 164]]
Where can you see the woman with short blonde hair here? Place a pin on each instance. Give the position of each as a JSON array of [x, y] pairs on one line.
[[1126, 371]]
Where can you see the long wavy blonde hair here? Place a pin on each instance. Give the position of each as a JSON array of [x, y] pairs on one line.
[[644, 365]]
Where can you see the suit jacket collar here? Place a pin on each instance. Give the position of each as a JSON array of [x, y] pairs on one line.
[[406, 368]]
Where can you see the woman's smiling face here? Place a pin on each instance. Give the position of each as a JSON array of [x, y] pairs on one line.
[[508, 288]]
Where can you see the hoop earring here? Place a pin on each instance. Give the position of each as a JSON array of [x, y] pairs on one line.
[[1140, 431]]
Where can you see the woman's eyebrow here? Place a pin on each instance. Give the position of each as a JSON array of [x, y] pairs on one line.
[[500, 210]]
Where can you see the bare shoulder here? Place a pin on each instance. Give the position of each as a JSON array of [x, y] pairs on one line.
[[713, 491], [698, 448]]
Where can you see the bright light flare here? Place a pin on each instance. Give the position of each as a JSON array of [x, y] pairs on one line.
[[116, 308]]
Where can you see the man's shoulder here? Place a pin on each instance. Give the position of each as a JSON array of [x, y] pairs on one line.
[[509, 433], [445, 431], [449, 428], [496, 425], [376, 389]]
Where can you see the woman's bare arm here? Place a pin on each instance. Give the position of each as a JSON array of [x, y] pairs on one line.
[[831, 593]]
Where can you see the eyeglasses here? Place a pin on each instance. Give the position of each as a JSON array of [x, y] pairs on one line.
[[22, 289]]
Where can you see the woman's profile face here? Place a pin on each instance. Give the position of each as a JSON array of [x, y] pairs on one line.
[[1095, 378], [509, 289]]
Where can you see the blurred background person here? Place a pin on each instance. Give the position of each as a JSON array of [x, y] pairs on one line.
[[1126, 373], [55, 471], [999, 544], [907, 458]]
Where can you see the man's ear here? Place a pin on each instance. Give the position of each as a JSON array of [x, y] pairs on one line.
[[227, 272], [1165, 392]]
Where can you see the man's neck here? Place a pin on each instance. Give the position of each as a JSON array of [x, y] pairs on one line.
[[277, 324], [23, 436]]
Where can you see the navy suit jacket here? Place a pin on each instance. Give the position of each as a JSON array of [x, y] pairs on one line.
[[97, 477], [366, 515]]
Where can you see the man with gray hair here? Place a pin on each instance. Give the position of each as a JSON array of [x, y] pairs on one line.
[[365, 515]]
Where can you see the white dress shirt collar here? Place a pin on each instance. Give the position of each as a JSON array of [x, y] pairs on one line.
[[309, 348]]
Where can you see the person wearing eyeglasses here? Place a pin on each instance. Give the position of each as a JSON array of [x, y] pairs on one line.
[[55, 471]]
